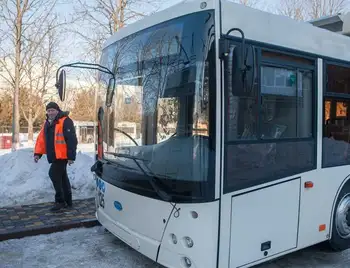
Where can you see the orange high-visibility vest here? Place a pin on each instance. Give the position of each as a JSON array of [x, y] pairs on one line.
[[60, 143]]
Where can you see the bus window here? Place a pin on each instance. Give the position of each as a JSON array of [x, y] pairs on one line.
[[338, 79], [271, 124], [336, 133]]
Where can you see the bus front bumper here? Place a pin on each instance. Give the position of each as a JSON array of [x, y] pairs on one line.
[[145, 245]]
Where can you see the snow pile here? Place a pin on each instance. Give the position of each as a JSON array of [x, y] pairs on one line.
[[25, 182]]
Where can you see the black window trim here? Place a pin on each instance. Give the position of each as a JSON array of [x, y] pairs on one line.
[[325, 79], [259, 46], [290, 66], [288, 51], [332, 95], [286, 64], [261, 61]]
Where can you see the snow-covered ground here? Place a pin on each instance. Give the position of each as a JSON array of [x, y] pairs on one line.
[[25, 182], [73, 248], [96, 248]]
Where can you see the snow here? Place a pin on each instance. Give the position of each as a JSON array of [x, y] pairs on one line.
[[25, 182], [73, 248], [96, 248]]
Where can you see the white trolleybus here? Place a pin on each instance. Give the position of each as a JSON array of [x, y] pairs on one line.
[[242, 153]]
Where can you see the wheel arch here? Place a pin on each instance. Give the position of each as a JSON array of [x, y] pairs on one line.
[[344, 182]]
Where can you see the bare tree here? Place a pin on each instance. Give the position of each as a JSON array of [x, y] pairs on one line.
[[39, 72], [19, 16], [5, 108], [321, 8], [104, 18], [293, 8], [28, 24], [249, 3], [12, 13], [83, 108], [110, 16], [311, 9]]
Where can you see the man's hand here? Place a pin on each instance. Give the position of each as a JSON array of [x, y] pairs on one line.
[[70, 162], [36, 158]]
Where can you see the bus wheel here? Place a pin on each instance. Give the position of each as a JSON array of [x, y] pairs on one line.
[[340, 239]]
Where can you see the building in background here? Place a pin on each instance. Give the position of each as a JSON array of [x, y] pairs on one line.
[[85, 131]]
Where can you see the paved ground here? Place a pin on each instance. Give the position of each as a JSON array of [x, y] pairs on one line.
[[92, 247], [20, 221]]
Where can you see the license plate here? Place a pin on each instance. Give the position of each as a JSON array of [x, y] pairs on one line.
[[101, 189], [101, 199]]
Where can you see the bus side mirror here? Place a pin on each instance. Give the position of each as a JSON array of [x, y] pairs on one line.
[[243, 70], [61, 85], [110, 92]]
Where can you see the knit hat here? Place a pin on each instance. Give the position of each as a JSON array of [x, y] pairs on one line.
[[52, 105]]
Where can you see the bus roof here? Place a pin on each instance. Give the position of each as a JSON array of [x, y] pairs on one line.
[[257, 25], [284, 32]]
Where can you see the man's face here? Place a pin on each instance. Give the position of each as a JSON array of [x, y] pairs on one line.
[[52, 113]]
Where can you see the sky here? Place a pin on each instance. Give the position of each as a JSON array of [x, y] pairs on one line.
[[74, 45]]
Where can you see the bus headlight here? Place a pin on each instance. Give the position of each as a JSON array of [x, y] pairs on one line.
[[186, 262], [188, 242], [173, 238]]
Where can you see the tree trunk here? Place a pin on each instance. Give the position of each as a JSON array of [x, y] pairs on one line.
[[119, 22], [97, 90], [30, 127], [15, 121]]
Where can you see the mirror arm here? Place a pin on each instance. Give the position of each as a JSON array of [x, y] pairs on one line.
[[92, 66], [243, 68], [82, 65]]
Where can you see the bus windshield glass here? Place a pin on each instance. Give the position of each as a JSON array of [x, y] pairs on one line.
[[159, 125]]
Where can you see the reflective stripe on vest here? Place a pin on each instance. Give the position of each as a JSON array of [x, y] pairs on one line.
[[60, 143]]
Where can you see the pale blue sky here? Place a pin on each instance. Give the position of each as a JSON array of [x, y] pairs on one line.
[[73, 46]]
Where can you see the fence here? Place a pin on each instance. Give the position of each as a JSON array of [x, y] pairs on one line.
[[8, 129], [6, 133], [85, 133]]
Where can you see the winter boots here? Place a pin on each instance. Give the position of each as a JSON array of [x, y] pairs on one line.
[[57, 206], [69, 202]]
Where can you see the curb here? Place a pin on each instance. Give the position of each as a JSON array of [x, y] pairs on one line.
[[48, 229]]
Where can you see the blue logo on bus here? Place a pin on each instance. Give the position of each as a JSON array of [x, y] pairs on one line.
[[101, 185], [118, 205]]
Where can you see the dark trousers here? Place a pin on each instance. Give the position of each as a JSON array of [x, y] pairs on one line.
[[59, 177]]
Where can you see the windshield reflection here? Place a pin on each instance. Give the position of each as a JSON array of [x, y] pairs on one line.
[[160, 112]]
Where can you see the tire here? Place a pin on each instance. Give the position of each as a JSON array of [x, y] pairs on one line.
[[340, 239]]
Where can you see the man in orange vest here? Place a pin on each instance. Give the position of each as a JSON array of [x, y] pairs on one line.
[[57, 139]]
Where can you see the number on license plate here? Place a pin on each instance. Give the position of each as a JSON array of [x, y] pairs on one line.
[[101, 199]]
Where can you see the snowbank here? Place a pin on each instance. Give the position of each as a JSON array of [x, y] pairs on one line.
[[25, 182]]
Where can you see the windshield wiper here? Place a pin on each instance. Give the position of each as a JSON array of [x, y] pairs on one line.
[[161, 193], [126, 134]]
